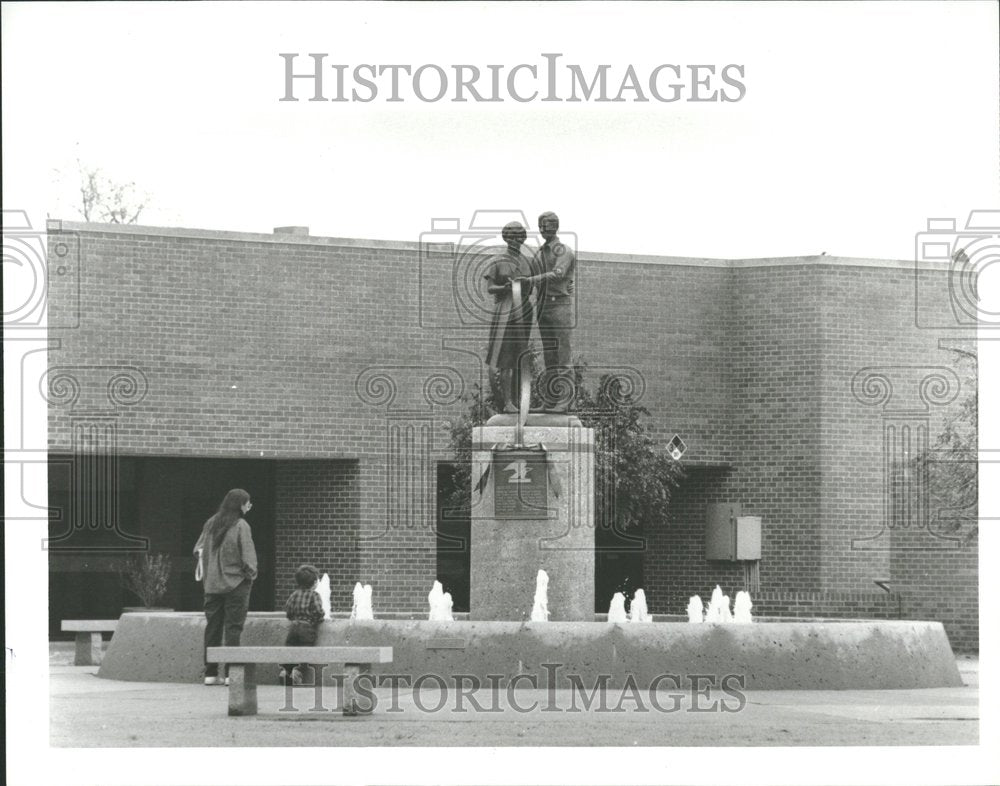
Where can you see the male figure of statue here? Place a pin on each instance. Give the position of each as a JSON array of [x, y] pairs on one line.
[[555, 264]]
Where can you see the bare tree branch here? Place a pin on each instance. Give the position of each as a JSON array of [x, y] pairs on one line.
[[103, 199]]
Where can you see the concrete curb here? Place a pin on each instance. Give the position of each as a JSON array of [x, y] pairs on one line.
[[167, 647]]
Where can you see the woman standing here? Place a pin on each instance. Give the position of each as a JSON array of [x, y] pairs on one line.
[[229, 563], [510, 328]]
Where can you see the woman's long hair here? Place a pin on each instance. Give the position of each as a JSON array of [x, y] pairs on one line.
[[230, 511]]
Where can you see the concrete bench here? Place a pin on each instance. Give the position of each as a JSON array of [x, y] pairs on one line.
[[89, 650], [242, 663]]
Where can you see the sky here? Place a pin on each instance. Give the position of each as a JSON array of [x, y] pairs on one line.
[[860, 122]]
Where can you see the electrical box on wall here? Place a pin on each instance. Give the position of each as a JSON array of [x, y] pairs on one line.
[[720, 521], [730, 536], [747, 537]]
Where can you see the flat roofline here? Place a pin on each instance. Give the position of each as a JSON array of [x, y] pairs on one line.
[[138, 230]]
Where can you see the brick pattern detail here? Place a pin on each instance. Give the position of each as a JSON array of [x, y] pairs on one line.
[[776, 354], [317, 515], [938, 583], [834, 605]]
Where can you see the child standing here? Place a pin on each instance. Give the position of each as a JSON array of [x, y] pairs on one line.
[[304, 608]]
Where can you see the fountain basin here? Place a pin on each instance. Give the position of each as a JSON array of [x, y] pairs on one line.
[[834, 654]]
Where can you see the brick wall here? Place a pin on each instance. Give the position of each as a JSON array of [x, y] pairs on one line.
[[317, 514], [670, 324], [321, 349], [937, 578], [675, 567], [888, 387], [249, 346], [834, 605], [775, 358], [816, 348]]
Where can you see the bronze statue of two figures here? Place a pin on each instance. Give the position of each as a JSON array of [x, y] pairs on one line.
[[512, 278]]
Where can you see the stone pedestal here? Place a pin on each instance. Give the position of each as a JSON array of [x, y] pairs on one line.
[[356, 700], [507, 553], [89, 649], [242, 688]]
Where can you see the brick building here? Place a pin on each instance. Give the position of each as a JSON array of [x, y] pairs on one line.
[[318, 373]]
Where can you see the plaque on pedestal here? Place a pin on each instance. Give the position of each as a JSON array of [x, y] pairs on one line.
[[521, 490]]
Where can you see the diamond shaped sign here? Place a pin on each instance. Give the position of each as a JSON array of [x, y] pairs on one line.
[[676, 447]]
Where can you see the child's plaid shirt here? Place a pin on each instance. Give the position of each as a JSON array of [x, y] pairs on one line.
[[305, 606]]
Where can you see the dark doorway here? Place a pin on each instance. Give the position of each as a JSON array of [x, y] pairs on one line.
[[453, 536], [205, 483], [102, 508], [617, 565]]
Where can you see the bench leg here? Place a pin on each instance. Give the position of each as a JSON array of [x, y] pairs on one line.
[[355, 703], [88, 649], [242, 689]]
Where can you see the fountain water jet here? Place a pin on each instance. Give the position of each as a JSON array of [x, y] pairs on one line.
[[540, 609], [362, 609], [718, 607], [727, 613], [696, 609], [616, 612], [741, 611], [323, 588], [639, 611], [440, 603]]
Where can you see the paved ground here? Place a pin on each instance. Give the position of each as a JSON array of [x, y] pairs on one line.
[[87, 711]]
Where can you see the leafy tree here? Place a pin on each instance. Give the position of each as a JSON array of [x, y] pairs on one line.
[[951, 464]]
